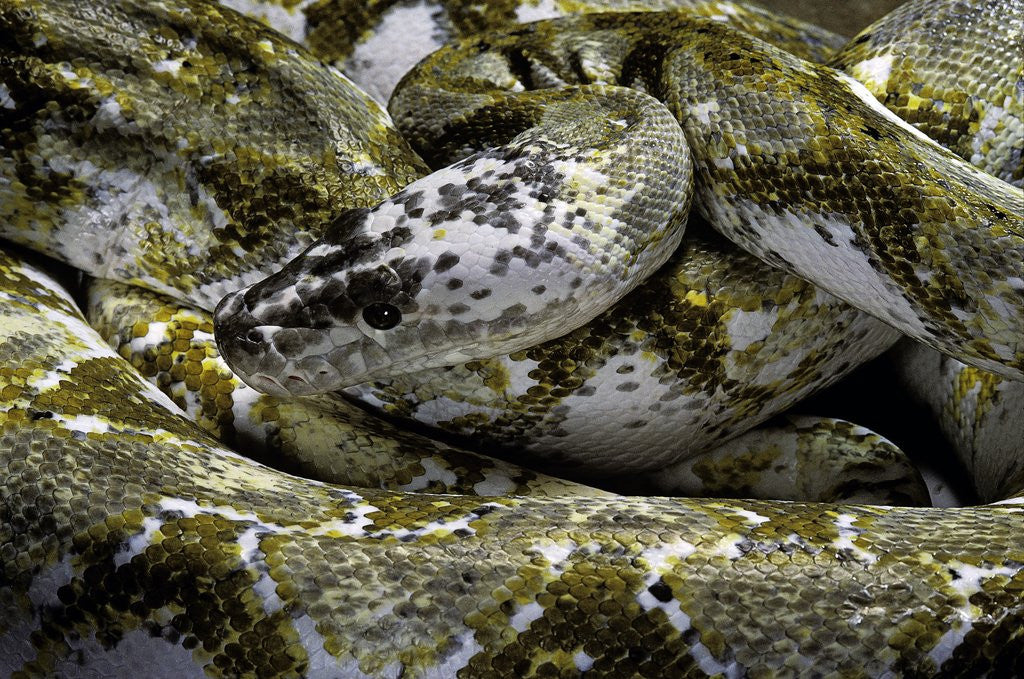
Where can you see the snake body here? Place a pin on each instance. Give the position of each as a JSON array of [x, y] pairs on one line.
[[199, 558], [359, 37], [734, 343], [132, 539], [977, 411], [853, 252], [676, 390], [192, 208], [171, 344], [332, 440], [984, 125], [959, 212]]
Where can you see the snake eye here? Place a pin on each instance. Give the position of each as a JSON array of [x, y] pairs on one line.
[[382, 316]]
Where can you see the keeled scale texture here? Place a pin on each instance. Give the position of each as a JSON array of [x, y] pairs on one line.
[[213, 560], [810, 173], [975, 110]]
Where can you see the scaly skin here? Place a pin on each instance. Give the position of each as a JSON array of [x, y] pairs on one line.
[[810, 173], [359, 36], [975, 110], [101, 173], [250, 570], [712, 344], [980, 414], [575, 197], [785, 460], [134, 542], [871, 264], [319, 437], [229, 227], [330, 440]]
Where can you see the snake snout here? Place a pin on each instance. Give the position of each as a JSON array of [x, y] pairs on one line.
[[245, 344], [276, 360]]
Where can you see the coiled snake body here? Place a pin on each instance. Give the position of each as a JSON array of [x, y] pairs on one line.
[[131, 538]]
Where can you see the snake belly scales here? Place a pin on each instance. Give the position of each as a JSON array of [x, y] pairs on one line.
[[167, 144]]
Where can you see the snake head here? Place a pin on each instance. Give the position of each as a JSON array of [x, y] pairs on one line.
[[325, 319], [507, 248], [387, 291]]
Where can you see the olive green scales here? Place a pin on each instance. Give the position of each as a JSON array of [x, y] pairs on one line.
[[135, 537]]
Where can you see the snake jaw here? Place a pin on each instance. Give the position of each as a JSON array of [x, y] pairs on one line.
[[277, 359], [249, 352]]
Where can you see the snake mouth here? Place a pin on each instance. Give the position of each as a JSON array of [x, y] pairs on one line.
[[279, 360], [263, 368], [245, 346], [268, 385]]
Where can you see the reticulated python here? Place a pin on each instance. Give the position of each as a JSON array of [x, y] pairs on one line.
[[131, 539]]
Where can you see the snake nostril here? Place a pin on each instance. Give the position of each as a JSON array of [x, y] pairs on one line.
[[254, 336]]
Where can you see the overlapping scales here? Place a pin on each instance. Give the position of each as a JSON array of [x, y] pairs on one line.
[[797, 163], [134, 542], [714, 343], [323, 438]]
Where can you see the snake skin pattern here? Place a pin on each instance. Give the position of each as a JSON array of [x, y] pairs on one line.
[[172, 345], [680, 393], [980, 414], [920, 275], [132, 540], [331, 440], [359, 37], [869, 269], [783, 460], [559, 210], [135, 541], [984, 125], [192, 208], [734, 343]]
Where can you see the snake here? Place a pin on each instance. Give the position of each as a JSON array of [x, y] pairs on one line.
[[654, 405], [976, 411], [132, 539]]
